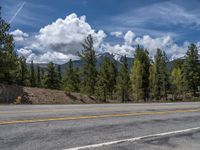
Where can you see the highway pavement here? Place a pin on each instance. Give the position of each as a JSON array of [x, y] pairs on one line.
[[156, 126]]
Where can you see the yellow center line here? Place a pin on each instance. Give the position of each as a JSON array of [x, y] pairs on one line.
[[53, 110], [98, 116]]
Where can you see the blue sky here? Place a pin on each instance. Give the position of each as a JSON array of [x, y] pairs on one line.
[[157, 19]]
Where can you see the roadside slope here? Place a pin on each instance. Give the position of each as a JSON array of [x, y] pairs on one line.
[[47, 96]]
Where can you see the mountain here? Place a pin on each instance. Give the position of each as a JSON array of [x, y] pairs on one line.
[[100, 59], [117, 59]]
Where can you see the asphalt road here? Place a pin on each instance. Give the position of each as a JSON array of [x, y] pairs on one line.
[[101, 127]]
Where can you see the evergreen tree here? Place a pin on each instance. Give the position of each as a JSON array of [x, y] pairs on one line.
[[8, 58], [177, 81], [39, 76], [103, 81], [71, 78], [22, 73], [51, 78], [160, 76], [59, 72], [42, 76], [165, 76], [59, 75], [77, 78], [178, 63], [143, 56], [89, 75], [191, 69], [152, 81], [123, 81], [33, 77], [136, 80], [112, 71]]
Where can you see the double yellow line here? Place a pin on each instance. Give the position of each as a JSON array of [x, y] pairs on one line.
[[99, 116]]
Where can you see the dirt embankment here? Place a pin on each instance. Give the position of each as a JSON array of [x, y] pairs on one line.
[[28, 95], [8, 93]]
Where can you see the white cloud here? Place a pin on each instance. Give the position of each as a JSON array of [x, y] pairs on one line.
[[55, 57], [118, 49], [67, 35], [165, 43], [60, 41], [62, 38], [19, 36], [128, 38], [116, 34], [24, 52]]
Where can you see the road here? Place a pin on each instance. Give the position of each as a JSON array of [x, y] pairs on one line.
[[157, 126]]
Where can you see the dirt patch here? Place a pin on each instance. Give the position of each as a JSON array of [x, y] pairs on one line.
[[47, 96]]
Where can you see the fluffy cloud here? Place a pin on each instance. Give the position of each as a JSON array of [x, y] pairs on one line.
[[117, 34], [62, 38], [56, 57], [165, 43], [19, 36], [128, 38], [24, 52], [151, 44], [121, 50], [60, 41]]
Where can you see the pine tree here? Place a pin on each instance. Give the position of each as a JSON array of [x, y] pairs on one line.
[[33, 77], [38, 76], [191, 69], [59, 72], [8, 58], [123, 81], [165, 76], [51, 78], [77, 79], [152, 81], [160, 76], [103, 81], [136, 80], [22, 72], [42, 76], [71, 78], [177, 81], [89, 75], [59, 75], [143, 56], [112, 71]]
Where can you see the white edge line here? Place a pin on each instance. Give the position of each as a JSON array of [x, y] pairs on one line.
[[133, 139]]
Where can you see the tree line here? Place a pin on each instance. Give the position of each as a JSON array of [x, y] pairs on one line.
[[148, 79]]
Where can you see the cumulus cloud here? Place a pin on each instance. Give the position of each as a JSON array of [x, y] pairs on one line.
[[56, 57], [19, 36], [117, 34], [24, 52], [121, 50], [60, 41], [165, 43], [128, 38], [62, 38]]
